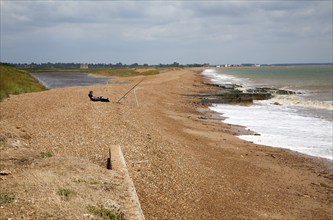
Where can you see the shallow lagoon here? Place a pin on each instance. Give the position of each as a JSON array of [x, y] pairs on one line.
[[53, 80]]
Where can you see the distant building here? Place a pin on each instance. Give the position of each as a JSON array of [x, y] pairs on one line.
[[84, 66]]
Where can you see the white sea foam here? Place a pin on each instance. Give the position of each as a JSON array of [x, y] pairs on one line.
[[297, 100], [217, 78], [285, 125], [280, 126]]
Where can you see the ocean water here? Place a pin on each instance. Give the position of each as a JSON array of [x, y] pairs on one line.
[[302, 122]]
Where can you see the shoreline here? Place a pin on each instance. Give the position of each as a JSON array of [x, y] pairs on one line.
[[184, 163], [237, 129], [286, 112]]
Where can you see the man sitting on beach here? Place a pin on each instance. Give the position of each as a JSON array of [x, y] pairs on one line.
[[96, 99]]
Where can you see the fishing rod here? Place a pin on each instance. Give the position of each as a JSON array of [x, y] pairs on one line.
[[124, 96]]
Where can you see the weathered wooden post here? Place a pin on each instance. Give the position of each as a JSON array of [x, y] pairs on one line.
[[108, 162]]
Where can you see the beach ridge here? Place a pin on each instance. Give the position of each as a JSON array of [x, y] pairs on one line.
[[185, 163]]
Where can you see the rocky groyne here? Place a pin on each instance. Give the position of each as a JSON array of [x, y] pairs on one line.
[[234, 93]]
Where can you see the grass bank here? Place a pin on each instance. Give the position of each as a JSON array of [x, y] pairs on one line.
[[124, 72], [120, 72], [14, 81]]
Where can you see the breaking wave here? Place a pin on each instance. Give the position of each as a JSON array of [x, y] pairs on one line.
[[296, 100]]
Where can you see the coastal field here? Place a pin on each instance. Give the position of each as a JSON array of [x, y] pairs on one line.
[[185, 163]]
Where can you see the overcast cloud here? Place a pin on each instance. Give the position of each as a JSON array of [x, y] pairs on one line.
[[156, 32]]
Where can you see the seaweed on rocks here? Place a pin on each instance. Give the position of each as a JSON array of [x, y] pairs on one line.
[[231, 93]]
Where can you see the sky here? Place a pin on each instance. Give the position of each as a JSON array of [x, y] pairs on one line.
[[154, 32]]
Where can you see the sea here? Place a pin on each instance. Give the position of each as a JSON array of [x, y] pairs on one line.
[[301, 122]]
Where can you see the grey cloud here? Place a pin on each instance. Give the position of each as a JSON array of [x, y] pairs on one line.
[[151, 30]]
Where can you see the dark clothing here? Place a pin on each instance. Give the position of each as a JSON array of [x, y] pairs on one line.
[[97, 99]]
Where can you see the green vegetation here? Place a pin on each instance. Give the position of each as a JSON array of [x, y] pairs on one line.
[[106, 214], [14, 81], [74, 70], [65, 193], [123, 72], [119, 71], [46, 154], [76, 66], [91, 181], [4, 198]]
